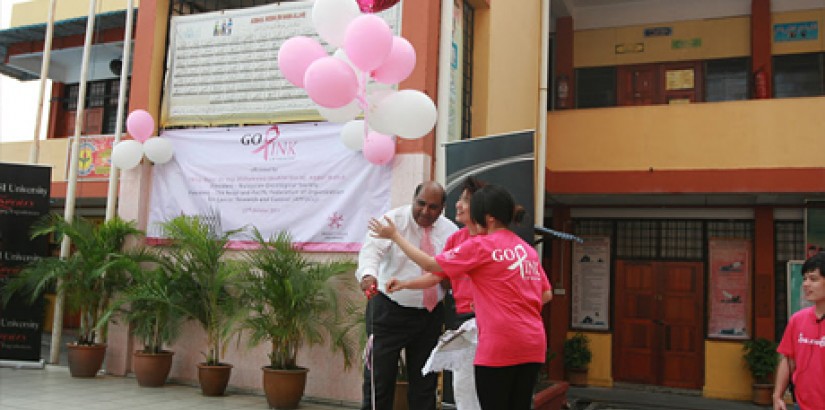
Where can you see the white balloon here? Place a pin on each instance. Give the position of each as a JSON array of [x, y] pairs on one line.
[[378, 121], [409, 114], [158, 150], [352, 135], [127, 154], [331, 18], [342, 55], [342, 114]]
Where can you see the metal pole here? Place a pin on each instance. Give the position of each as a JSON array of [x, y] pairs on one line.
[[34, 155], [442, 126], [68, 213], [541, 134], [111, 195]]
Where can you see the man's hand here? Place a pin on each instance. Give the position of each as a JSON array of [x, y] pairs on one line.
[[380, 230], [369, 285], [395, 285]]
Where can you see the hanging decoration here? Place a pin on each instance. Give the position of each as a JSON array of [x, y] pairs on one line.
[[128, 154], [357, 77]]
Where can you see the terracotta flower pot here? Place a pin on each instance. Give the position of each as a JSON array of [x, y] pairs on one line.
[[577, 377], [214, 379], [762, 394], [84, 360], [284, 388], [152, 369]]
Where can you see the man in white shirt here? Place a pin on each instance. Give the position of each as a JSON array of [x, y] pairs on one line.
[[408, 319]]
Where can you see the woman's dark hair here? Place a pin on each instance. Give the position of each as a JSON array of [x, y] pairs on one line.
[[471, 185], [495, 201]]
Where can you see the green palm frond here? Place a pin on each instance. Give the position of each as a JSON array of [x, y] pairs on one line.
[[295, 302], [97, 268]]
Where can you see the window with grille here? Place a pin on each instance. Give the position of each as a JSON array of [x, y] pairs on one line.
[[637, 239], [730, 229], [99, 94], [727, 79], [789, 240], [681, 240], [595, 87], [797, 75], [467, 72]]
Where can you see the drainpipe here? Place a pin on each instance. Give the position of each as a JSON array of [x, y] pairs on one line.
[[111, 195], [541, 132], [34, 155], [68, 211], [442, 126]]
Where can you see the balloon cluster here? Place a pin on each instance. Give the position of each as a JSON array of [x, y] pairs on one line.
[[127, 154], [367, 51]]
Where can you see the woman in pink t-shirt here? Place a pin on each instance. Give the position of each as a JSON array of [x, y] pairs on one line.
[[509, 290]]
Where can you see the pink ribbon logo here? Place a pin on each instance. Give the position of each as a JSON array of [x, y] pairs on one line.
[[268, 142]]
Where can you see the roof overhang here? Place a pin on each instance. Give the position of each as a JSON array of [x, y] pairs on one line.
[[65, 62]]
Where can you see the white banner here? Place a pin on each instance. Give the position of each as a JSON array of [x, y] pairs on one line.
[[294, 177]]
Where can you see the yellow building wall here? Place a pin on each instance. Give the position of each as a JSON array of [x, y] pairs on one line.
[[599, 371], [37, 11], [720, 38], [506, 68], [726, 376], [725, 135], [52, 152], [794, 47]]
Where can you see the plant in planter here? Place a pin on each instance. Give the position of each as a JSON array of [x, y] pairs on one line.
[[88, 278], [149, 307], [294, 302], [207, 289], [761, 359], [577, 356]]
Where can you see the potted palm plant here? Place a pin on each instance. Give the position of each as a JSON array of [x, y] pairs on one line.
[[148, 305], [761, 359], [577, 356], [294, 302], [207, 286], [88, 278]]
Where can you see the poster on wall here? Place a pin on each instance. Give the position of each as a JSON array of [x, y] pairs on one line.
[[814, 228], [794, 287], [591, 284], [94, 157], [222, 67], [298, 178], [729, 299], [24, 198]]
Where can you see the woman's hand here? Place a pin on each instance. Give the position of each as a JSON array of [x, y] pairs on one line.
[[380, 230], [394, 285]]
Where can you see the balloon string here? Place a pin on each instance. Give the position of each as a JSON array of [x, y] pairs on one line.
[[361, 96]]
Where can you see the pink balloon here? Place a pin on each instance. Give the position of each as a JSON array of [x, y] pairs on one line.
[[330, 82], [398, 65], [379, 149], [368, 41], [140, 125], [295, 56]]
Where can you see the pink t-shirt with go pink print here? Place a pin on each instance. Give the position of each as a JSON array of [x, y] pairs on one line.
[[508, 282]]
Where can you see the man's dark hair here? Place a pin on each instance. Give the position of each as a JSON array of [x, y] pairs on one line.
[[813, 263], [421, 186]]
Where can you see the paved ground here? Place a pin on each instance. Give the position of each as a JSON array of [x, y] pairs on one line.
[[53, 388]]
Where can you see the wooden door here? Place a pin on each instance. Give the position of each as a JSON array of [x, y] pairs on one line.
[[659, 316], [639, 85]]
